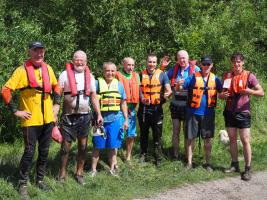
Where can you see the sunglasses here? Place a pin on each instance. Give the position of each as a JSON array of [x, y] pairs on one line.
[[206, 64]]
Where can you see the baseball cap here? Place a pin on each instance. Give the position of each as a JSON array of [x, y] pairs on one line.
[[206, 60], [35, 45]]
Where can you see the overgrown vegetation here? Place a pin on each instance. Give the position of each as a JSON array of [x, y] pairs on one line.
[[110, 30]]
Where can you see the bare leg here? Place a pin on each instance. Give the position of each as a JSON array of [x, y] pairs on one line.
[[232, 133], [82, 148], [245, 139], [65, 149], [175, 136], [95, 158], [207, 148], [189, 150], [129, 147], [113, 158]]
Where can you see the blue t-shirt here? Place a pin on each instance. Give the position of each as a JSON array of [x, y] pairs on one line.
[[111, 116], [203, 109], [179, 75]]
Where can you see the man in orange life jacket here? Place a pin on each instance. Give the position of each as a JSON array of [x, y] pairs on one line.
[[131, 82], [150, 114], [238, 85], [78, 87], [37, 82], [182, 69], [200, 114]]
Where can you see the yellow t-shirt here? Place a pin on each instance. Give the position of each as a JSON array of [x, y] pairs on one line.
[[30, 99]]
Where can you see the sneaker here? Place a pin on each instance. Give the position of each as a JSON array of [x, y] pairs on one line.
[[61, 179], [92, 173], [142, 158], [23, 191], [246, 175], [208, 167], [80, 179], [188, 166], [233, 168], [113, 172], [42, 186], [157, 163]]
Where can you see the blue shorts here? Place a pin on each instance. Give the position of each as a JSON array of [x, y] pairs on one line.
[[113, 136], [131, 132]]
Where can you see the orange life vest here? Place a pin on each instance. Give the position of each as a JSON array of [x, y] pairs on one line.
[[196, 94], [72, 81], [237, 83], [192, 64], [32, 79], [151, 88], [131, 87]]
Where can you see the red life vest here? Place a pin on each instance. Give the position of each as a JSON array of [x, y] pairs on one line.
[[196, 94], [32, 79], [237, 82], [72, 81], [192, 64], [131, 87]]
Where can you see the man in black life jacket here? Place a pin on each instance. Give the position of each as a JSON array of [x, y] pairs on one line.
[[78, 86], [39, 90]]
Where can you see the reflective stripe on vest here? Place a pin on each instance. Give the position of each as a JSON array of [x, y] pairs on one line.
[[110, 98], [199, 88], [131, 87], [151, 88]]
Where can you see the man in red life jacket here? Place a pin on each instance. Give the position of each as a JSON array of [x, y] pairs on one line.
[[78, 86], [154, 88], [200, 112], [131, 82], [38, 88], [238, 85], [181, 70]]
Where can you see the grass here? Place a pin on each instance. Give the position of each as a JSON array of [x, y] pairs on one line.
[[136, 180]]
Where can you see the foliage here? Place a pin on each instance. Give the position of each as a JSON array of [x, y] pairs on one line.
[[111, 30]]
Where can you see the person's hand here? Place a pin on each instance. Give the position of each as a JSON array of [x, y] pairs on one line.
[[125, 125], [165, 61], [99, 120], [167, 94], [23, 114], [224, 95], [145, 101], [246, 91]]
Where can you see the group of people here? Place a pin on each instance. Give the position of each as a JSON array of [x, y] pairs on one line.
[[113, 99]]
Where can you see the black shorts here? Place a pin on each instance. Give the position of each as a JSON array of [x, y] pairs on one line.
[[237, 120], [198, 125], [75, 126], [177, 112]]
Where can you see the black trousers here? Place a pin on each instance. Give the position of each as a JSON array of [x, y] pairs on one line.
[[151, 116], [32, 135]]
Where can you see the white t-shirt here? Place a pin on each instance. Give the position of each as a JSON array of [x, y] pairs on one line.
[[69, 101]]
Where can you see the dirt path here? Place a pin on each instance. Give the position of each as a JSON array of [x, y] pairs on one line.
[[224, 189]]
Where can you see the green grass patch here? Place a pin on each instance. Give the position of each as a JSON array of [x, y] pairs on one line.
[[135, 180]]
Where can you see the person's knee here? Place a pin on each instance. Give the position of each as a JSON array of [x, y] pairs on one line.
[[65, 149], [82, 148]]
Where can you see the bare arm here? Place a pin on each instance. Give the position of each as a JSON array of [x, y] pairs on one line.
[[124, 109], [95, 103], [256, 91]]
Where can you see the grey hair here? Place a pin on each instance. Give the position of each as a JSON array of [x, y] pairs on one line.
[[105, 64], [126, 59], [182, 52], [79, 52]]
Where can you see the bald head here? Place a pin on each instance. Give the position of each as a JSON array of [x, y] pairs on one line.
[[128, 65]]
